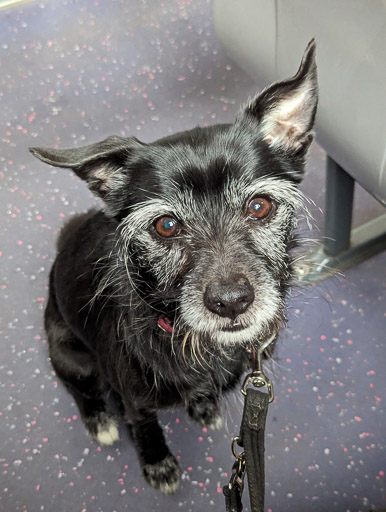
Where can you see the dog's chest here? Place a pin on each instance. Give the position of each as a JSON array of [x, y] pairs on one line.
[[177, 383]]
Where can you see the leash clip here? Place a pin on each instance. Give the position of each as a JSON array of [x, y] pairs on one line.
[[258, 378]]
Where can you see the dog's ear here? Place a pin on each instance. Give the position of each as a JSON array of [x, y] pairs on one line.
[[103, 165], [285, 111]]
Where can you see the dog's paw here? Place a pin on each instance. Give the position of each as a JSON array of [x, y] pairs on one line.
[[207, 414], [163, 475], [103, 428], [108, 434], [216, 422]]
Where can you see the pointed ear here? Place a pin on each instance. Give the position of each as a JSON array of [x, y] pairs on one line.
[[286, 110], [103, 165]]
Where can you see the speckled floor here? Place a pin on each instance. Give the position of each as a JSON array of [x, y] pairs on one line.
[[73, 72]]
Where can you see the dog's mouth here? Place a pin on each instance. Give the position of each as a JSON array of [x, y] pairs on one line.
[[235, 327], [165, 324]]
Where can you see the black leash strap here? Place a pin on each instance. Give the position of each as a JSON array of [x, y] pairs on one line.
[[251, 438], [253, 430]]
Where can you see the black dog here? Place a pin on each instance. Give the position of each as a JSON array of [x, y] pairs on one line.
[[157, 297]]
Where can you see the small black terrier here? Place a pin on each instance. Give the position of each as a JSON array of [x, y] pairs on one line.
[[157, 297]]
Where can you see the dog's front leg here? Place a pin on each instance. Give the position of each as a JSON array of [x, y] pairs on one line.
[[159, 466]]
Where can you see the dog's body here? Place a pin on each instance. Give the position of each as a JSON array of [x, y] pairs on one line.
[[157, 297]]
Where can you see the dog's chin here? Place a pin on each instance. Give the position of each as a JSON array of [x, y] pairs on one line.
[[235, 335], [241, 334], [224, 336]]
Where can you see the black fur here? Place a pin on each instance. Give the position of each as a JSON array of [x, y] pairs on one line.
[[116, 279]]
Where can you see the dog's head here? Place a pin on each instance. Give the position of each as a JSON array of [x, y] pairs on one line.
[[206, 216]]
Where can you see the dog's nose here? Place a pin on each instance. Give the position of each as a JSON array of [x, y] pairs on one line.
[[229, 298]]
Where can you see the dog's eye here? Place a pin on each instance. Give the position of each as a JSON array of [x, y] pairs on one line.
[[167, 227], [259, 208]]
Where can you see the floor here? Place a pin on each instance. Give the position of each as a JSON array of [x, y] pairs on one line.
[[73, 72]]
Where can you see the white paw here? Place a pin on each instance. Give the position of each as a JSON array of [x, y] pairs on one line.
[[207, 414], [164, 475], [216, 423], [108, 433]]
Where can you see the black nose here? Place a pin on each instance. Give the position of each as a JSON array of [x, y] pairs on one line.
[[229, 298]]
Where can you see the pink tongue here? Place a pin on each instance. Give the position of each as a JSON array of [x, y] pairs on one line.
[[165, 324]]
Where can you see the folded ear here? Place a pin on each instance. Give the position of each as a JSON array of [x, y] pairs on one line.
[[103, 165], [286, 110]]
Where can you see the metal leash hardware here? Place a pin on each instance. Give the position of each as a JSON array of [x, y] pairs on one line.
[[234, 490], [258, 378], [238, 468]]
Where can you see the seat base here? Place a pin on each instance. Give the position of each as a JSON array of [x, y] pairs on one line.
[[367, 240]]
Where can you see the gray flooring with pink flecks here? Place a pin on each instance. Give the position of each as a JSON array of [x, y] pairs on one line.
[[73, 72]]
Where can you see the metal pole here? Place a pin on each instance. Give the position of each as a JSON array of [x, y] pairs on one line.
[[338, 208]]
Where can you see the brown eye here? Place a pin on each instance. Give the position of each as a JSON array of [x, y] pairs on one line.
[[167, 227], [259, 208]]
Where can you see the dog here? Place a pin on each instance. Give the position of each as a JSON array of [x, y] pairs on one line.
[[157, 297]]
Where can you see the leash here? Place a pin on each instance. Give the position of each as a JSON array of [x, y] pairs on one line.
[[251, 438]]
